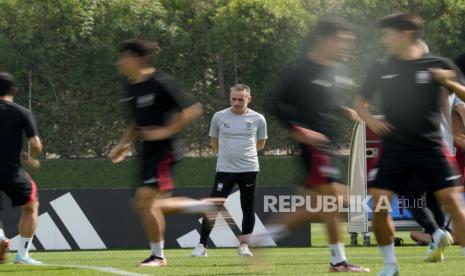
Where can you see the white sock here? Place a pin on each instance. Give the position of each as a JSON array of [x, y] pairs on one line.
[[338, 254], [389, 254], [157, 248], [463, 250], [24, 245], [2, 235], [437, 234]]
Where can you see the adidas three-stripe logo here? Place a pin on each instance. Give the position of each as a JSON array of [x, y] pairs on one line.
[[75, 222]]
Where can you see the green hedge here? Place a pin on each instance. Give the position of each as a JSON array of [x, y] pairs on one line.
[[191, 172]]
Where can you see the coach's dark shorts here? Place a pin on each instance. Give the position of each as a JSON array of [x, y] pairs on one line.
[[225, 181], [19, 187], [321, 164], [157, 166], [435, 170]]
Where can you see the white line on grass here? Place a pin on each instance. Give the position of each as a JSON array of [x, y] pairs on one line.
[[107, 269]]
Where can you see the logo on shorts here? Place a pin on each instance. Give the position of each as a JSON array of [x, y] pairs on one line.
[[423, 77], [219, 187], [372, 174], [330, 171]]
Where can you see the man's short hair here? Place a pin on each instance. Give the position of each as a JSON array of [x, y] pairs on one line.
[[138, 47], [460, 61], [330, 26], [7, 83], [401, 22], [241, 87]]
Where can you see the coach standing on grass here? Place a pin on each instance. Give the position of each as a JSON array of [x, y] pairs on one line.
[[237, 134]]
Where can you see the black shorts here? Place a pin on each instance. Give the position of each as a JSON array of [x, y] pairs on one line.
[[225, 181], [416, 173], [19, 187], [322, 165], [157, 166]]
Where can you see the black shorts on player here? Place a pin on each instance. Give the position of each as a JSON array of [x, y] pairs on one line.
[[19, 187], [433, 168], [158, 161], [321, 165]]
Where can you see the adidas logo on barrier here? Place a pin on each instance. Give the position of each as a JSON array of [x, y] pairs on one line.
[[75, 222], [223, 236]]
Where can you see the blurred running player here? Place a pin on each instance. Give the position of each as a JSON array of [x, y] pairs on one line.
[[412, 142], [307, 105], [16, 122], [160, 110]]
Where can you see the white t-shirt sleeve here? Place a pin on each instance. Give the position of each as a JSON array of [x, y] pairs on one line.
[[262, 132], [214, 126], [456, 101]]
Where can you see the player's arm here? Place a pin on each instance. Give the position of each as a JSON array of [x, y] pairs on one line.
[[175, 124], [118, 152], [350, 114], [30, 160], [35, 145], [214, 144], [362, 107], [449, 79], [458, 125]]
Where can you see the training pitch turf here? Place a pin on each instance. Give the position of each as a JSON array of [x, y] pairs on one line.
[[280, 261]]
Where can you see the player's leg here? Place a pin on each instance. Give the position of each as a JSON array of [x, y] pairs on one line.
[[452, 200], [23, 193], [246, 184], [153, 222], [442, 178], [392, 175], [4, 243]]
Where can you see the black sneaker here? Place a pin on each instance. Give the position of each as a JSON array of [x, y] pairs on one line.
[[154, 261]]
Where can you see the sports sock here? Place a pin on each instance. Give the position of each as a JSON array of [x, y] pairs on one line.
[[23, 248], [388, 253], [157, 248], [338, 254]]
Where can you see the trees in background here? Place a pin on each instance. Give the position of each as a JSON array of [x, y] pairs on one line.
[[63, 54]]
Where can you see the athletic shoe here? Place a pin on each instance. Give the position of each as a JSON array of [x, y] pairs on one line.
[[154, 261], [436, 250], [389, 270], [199, 251], [4, 246], [244, 250], [347, 267], [26, 260]]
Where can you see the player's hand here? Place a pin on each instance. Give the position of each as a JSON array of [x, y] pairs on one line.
[[381, 128], [308, 137], [459, 140], [29, 162], [351, 114], [118, 152], [155, 134], [443, 75]]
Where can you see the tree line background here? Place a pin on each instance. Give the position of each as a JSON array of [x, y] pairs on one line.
[[63, 55]]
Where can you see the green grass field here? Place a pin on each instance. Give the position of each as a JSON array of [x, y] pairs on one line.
[[278, 261]]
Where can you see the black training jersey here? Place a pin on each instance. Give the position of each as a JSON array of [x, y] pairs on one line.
[[307, 98], [156, 99], [411, 100], [15, 122]]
